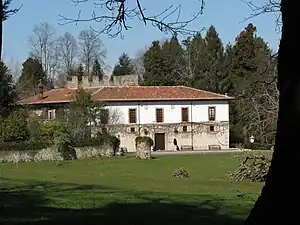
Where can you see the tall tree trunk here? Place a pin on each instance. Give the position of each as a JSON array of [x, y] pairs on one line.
[[279, 200], [1, 27]]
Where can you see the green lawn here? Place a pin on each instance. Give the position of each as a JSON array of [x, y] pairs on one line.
[[125, 191]]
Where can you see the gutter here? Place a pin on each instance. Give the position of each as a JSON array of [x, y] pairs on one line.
[[192, 127]]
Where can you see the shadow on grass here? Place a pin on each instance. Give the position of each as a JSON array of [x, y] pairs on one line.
[[30, 205]]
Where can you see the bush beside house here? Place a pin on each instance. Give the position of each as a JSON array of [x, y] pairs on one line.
[[23, 140]]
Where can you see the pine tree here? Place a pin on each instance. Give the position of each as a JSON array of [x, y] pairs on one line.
[[194, 64], [97, 70], [157, 69], [174, 58], [250, 58], [124, 66], [243, 61], [214, 60], [32, 74], [7, 90]]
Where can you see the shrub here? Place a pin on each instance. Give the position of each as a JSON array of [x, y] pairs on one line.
[[62, 140], [47, 130], [34, 128], [22, 145], [143, 139], [98, 141], [180, 173], [13, 127], [254, 168], [112, 141]]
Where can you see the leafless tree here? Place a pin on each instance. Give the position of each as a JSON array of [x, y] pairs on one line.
[[194, 55], [90, 49], [268, 6], [15, 68], [116, 14], [188, 67], [138, 62], [6, 12], [43, 46], [264, 110], [68, 50]]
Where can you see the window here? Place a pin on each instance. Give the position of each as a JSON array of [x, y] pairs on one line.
[[51, 114], [159, 115], [132, 130], [184, 128], [211, 128], [184, 114], [211, 113], [104, 115], [132, 115]]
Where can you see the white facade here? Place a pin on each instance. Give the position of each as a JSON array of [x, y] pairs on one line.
[[172, 111], [197, 132]]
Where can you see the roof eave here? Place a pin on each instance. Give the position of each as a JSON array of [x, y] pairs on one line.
[[133, 100]]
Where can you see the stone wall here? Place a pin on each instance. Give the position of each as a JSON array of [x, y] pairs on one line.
[[106, 81], [197, 135], [52, 154]]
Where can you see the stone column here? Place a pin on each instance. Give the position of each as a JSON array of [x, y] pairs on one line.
[[143, 147]]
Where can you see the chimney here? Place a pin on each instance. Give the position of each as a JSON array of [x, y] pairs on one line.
[[40, 90]]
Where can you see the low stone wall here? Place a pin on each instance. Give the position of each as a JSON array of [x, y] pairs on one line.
[[52, 154]]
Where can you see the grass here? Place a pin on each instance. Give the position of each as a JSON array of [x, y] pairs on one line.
[[125, 191]]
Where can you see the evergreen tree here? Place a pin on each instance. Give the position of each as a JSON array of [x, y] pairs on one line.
[[157, 69], [226, 85], [195, 61], [174, 59], [80, 73], [124, 66], [32, 74], [7, 90], [243, 61], [97, 70], [251, 56], [214, 58], [173, 49]]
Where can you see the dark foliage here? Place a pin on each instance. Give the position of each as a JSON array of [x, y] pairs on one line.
[[180, 173]]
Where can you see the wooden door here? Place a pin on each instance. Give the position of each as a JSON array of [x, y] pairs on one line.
[[159, 141]]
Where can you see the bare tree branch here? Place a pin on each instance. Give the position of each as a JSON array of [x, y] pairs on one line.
[[269, 6], [117, 13], [138, 62], [263, 97], [90, 49], [68, 51], [43, 46], [6, 11]]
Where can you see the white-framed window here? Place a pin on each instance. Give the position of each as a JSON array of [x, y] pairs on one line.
[[51, 114]]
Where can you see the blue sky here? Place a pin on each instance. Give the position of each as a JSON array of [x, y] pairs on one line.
[[227, 16]]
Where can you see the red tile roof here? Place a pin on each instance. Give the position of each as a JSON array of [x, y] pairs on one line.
[[128, 93]]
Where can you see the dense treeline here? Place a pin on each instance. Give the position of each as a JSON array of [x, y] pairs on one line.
[[245, 69]]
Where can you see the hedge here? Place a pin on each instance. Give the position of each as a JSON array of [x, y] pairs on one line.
[[22, 145], [35, 145]]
